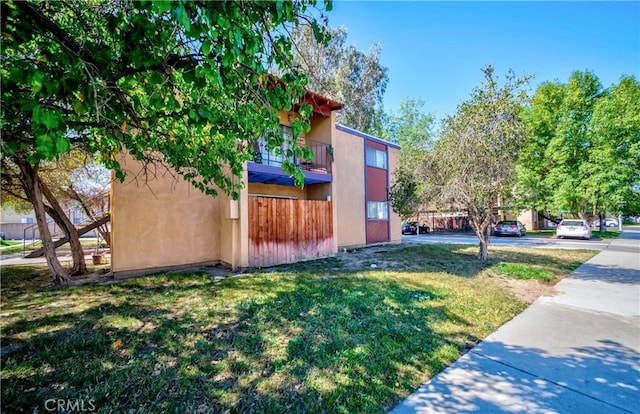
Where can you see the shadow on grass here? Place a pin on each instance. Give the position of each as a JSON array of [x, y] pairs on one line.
[[454, 259], [320, 336], [258, 344]]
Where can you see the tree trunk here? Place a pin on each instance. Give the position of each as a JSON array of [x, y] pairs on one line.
[[484, 236], [482, 227], [483, 251], [60, 217], [32, 188]]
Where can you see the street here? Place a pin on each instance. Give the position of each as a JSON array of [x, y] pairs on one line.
[[540, 241]]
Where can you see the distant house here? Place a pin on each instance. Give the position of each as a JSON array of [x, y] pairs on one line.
[[532, 220], [17, 225], [23, 225], [8, 215], [167, 224]]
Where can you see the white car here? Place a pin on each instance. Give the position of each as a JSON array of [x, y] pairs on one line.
[[608, 222], [576, 228]]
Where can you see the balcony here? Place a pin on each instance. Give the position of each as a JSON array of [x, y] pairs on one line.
[[266, 166]]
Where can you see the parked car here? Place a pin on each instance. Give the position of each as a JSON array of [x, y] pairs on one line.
[[576, 228], [509, 228], [410, 227], [609, 222]]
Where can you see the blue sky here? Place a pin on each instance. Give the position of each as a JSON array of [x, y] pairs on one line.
[[435, 50]]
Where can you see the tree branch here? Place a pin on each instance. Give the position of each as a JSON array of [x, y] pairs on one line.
[[174, 62], [44, 22]]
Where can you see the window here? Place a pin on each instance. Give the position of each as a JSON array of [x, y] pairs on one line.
[[276, 156], [377, 210], [376, 158]]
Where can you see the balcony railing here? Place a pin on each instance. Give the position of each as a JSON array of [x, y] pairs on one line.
[[321, 162]]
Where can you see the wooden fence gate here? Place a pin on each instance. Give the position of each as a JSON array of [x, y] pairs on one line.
[[288, 231]]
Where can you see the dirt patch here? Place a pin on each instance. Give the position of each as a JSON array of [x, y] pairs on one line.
[[370, 257], [527, 290]]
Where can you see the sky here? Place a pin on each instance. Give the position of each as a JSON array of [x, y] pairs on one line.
[[435, 51]]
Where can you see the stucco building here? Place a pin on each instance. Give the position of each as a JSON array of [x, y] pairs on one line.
[[166, 223]]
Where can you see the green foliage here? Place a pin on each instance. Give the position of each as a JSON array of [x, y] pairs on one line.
[[413, 131], [74, 168], [582, 154], [612, 175], [408, 127], [345, 74], [471, 167], [403, 193], [361, 82], [524, 272], [184, 83]]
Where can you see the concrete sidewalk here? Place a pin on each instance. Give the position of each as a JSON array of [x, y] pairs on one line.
[[63, 257], [575, 352]]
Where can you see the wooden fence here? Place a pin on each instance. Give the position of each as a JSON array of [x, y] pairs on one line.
[[452, 223], [288, 231]]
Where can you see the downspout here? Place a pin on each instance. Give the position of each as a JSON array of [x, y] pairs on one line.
[[387, 200], [366, 200], [234, 217], [234, 243]]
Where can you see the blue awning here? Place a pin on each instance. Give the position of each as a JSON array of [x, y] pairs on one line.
[[269, 174]]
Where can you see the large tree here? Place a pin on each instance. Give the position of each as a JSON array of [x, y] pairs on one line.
[[186, 84], [70, 180], [582, 152], [408, 126], [344, 73], [612, 174], [412, 129], [471, 166]]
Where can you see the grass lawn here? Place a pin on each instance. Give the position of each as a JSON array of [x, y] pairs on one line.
[[18, 247], [4, 243], [319, 336], [608, 234]]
